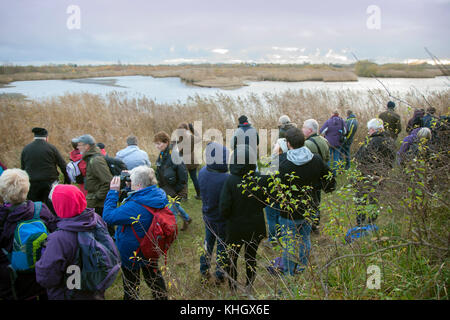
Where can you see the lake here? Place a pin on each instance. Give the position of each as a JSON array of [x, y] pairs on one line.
[[172, 89]]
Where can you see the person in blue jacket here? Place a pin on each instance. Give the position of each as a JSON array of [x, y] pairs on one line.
[[211, 180], [144, 192]]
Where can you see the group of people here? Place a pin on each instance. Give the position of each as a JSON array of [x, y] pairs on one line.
[[233, 215]]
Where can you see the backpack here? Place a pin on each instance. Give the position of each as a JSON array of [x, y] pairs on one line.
[[98, 259], [74, 173], [116, 166], [160, 235], [359, 232], [29, 237]]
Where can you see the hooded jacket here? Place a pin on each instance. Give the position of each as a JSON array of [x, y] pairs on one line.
[[26, 284], [352, 126], [211, 179], [245, 134], [333, 129], [133, 157], [244, 215], [172, 177], [60, 253], [128, 212], [311, 172], [98, 177]]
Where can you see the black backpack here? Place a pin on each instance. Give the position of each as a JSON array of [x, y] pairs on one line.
[[116, 166]]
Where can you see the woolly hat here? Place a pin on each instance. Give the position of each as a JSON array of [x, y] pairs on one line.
[[243, 119], [68, 201], [284, 120], [391, 105], [39, 132]]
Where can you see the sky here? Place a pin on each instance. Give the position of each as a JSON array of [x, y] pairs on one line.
[[210, 31]]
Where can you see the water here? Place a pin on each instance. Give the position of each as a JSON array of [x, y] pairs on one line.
[[169, 90]]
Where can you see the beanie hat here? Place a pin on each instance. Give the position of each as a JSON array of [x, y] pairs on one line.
[[391, 104], [242, 119], [284, 120], [68, 201], [39, 132]]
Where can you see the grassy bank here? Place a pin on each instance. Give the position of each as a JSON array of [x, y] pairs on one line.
[[220, 75], [411, 249]]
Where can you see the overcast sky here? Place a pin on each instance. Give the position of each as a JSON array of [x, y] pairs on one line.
[[194, 31]]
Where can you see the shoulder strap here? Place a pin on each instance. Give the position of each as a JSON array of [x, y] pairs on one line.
[[37, 209], [320, 152]]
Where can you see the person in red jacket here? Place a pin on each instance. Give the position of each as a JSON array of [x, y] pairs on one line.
[[75, 156]]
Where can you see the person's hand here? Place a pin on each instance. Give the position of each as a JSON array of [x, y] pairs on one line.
[[115, 183]]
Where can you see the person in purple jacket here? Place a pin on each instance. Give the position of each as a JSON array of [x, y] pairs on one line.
[[334, 130], [211, 180], [14, 187], [60, 252]]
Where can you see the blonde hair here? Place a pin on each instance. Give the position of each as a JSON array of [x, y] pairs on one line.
[[143, 176], [14, 185]]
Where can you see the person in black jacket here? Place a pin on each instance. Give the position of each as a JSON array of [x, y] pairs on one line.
[[244, 216], [172, 175], [374, 159], [40, 160], [311, 175]]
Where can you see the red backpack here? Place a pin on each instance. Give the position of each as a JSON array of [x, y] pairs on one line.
[[159, 236]]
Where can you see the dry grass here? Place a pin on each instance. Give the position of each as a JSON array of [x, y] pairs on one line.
[[110, 119]]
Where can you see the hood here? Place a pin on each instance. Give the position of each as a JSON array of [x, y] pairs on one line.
[[68, 201], [18, 212], [243, 159], [75, 155], [351, 116], [152, 197], [85, 221], [219, 162], [299, 156]]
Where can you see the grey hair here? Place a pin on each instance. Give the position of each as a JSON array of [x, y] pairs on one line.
[[375, 124], [312, 124], [143, 176], [424, 133], [14, 185], [132, 140]]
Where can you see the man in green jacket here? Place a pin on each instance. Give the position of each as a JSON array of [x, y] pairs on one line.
[[314, 142], [391, 120], [98, 176], [318, 145]]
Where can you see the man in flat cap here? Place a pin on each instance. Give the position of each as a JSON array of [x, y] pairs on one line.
[[40, 160]]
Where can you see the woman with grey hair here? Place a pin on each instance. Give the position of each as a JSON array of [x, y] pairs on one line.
[[145, 192], [14, 187]]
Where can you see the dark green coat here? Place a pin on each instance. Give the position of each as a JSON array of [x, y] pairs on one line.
[[98, 178]]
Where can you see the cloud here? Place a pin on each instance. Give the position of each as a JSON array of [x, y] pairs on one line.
[[287, 49], [220, 51]]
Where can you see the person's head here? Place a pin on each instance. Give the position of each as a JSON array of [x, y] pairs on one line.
[[161, 140], [391, 105], [74, 143], [375, 125], [295, 138], [67, 200], [216, 156], [14, 186], [183, 125], [335, 113], [283, 120], [310, 127], [85, 143], [424, 133], [431, 110], [243, 119], [132, 141], [40, 133], [349, 113], [142, 177]]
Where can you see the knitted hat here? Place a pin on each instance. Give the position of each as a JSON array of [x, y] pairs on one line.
[[391, 105], [39, 132], [68, 201], [243, 119], [284, 120]]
